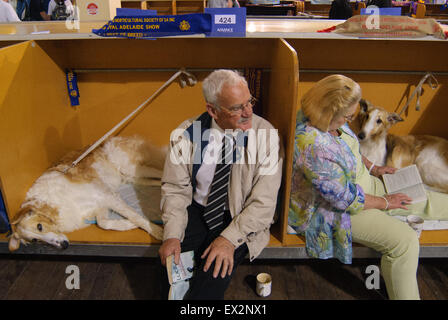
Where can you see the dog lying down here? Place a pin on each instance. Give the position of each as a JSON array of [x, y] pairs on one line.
[[60, 202], [428, 153]]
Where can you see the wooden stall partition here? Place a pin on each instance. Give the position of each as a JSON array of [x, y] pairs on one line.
[[114, 77], [282, 103]]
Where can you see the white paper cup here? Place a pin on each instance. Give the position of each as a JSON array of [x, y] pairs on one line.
[[416, 223], [264, 284]]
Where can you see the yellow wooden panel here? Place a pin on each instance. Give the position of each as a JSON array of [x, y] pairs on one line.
[[429, 238], [161, 53], [98, 235], [51, 27], [389, 91], [358, 54], [274, 242], [121, 93], [33, 101], [392, 92], [282, 102], [7, 43], [293, 240]]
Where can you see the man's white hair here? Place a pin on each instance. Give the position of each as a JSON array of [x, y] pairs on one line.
[[212, 85]]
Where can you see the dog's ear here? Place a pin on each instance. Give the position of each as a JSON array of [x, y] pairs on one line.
[[14, 242], [393, 118], [364, 104], [20, 215]]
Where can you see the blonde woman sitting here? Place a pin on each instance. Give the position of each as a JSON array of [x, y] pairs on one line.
[[334, 199]]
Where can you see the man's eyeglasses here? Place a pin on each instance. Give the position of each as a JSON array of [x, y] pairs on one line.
[[238, 109]]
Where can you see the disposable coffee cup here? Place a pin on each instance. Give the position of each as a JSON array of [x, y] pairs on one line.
[[264, 284], [416, 223]]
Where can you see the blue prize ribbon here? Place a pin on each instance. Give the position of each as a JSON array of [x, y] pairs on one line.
[[138, 27], [72, 87]]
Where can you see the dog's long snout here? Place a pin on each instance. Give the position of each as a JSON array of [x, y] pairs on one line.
[[64, 244], [361, 136]]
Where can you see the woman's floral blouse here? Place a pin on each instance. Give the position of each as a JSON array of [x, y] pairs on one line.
[[323, 191]]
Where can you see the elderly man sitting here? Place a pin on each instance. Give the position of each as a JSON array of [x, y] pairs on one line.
[[220, 185]]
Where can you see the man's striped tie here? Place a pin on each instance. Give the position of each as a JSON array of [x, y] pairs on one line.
[[217, 198]]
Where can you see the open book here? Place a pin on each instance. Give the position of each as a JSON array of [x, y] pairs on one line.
[[406, 180], [179, 274]]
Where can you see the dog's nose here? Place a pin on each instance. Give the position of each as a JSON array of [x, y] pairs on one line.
[[64, 245], [361, 135]]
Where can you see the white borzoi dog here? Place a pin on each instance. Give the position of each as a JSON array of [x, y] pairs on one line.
[[64, 197], [429, 153]]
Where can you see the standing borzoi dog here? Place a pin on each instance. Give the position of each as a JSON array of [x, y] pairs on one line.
[[62, 198], [429, 153]]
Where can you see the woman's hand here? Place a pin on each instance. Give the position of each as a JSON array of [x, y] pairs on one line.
[[387, 202], [378, 171], [396, 201]]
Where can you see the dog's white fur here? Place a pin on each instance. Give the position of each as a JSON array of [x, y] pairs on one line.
[[429, 153], [59, 202]]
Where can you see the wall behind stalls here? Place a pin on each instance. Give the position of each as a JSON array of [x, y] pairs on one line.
[[392, 92], [387, 71]]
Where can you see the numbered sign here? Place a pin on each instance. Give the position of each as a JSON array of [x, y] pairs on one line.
[[225, 19], [227, 22]]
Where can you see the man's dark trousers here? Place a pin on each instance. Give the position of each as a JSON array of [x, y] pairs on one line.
[[198, 237]]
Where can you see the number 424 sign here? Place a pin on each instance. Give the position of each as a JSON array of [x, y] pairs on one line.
[[227, 22]]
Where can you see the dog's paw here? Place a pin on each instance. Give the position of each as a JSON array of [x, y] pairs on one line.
[[156, 231]]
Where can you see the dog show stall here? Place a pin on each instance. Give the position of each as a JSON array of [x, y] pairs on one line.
[[388, 72], [38, 124]]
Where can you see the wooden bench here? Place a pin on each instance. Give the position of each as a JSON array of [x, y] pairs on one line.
[[135, 243]]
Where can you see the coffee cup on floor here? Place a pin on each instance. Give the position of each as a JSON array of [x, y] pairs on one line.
[[264, 284], [416, 223]]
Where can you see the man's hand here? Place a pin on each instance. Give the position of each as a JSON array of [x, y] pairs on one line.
[[168, 248], [221, 250]]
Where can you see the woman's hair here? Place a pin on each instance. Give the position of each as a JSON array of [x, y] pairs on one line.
[[327, 97], [212, 85]]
